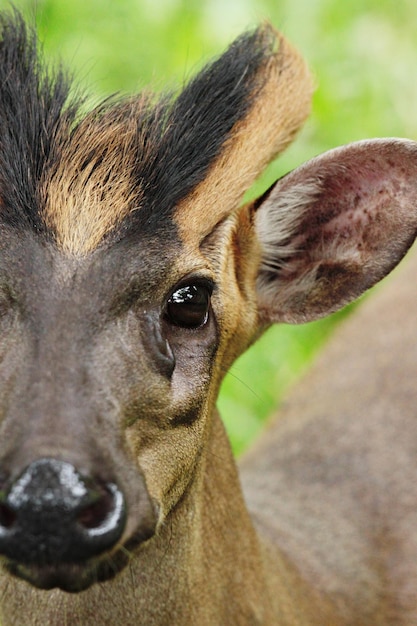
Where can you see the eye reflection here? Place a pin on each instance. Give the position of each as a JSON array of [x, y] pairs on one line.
[[188, 306]]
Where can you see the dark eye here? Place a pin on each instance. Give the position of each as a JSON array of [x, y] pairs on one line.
[[189, 305]]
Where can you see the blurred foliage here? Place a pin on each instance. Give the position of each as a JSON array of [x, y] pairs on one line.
[[362, 53]]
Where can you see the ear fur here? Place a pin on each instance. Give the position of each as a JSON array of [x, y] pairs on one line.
[[335, 226], [279, 103]]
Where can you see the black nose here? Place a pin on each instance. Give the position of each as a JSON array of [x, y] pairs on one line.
[[52, 514]]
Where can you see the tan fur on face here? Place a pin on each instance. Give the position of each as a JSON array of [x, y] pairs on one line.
[[277, 113], [90, 191]]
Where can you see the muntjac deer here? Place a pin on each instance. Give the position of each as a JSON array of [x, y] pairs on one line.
[[131, 276]]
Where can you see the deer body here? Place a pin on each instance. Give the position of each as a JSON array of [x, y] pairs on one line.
[[131, 277], [342, 458]]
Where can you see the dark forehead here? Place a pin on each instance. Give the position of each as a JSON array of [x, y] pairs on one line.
[[123, 168], [38, 276]]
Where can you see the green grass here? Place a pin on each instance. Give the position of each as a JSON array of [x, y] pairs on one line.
[[362, 53]]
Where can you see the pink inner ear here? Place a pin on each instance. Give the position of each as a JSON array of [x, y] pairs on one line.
[[335, 226]]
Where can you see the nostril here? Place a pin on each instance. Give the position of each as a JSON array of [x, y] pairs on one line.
[[7, 516], [101, 508], [94, 514]]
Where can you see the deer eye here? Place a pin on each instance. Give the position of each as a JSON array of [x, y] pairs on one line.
[[189, 305]]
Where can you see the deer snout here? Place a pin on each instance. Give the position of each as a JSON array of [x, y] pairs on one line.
[[52, 514]]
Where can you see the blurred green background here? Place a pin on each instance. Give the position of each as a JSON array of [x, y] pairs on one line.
[[363, 54]]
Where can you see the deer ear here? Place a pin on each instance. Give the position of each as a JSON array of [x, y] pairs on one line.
[[335, 226]]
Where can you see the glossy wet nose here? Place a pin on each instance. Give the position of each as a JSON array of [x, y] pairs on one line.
[[52, 514]]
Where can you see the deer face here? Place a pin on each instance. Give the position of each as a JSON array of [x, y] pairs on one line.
[[131, 277]]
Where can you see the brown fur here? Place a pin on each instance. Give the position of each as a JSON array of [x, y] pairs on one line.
[[342, 459], [90, 190], [278, 112], [120, 500]]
